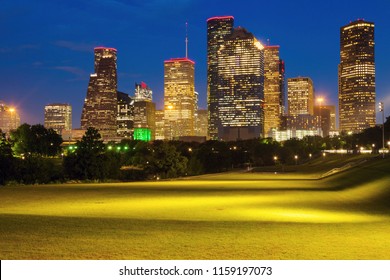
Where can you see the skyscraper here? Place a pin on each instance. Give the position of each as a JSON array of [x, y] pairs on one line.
[[125, 118], [58, 116], [300, 93], [144, 109], [100, 105], [357, 77], [332, 112], [273, 89], [324, 115], [240, 86], [217, 29], [179, 98]]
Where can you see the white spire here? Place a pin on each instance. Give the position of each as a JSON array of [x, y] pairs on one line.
[[186, 39]]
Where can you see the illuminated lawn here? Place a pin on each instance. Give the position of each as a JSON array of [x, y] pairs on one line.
[[229, 216]]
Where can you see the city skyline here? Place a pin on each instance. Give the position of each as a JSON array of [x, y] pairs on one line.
[[47, 56]]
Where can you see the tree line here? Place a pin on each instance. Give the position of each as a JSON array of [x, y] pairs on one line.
[[33, 154]]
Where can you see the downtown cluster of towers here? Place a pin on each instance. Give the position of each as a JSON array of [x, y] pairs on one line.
[[245, 92]]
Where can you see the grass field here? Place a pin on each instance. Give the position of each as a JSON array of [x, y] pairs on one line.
[[236, 215]]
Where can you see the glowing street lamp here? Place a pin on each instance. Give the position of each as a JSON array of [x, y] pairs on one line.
[[296, 159], [319, 101], [382, 109], [310, 155]]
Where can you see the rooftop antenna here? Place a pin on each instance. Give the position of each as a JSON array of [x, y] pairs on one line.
[[186, 39]]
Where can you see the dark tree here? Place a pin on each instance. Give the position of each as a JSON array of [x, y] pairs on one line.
[[90, 161], [165, 161], [6, 159], [36, 139]]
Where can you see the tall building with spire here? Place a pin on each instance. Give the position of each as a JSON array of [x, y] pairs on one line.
[[273, 89], [217, 29], [179, 98], [100, 105], [357, 77], [240, 86]]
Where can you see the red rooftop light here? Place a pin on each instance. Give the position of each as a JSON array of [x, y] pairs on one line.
[[105, 48], [220, 18], [172, 60]]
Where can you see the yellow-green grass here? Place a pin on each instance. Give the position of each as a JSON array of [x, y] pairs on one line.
[[242, 216]]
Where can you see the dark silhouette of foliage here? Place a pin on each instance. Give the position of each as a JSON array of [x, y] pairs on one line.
[[35, 139]]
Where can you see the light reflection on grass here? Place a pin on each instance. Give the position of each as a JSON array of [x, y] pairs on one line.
[[342, 217]]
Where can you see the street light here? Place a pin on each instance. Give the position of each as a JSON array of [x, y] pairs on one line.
[[296, 159], [320, 100], [382, 109]]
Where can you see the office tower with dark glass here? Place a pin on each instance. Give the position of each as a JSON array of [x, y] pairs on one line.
[[100, 105], [240, 86], [217, 29], [273, 89], [58, 116], [179, 98], [357, 77]]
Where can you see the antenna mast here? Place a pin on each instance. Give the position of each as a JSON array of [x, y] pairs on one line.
[[186, 39]]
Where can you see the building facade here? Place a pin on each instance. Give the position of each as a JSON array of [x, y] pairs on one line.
[[100, 105], [332, 116], [159, 135], [125, 117], [300, 92], [58, 116], [240, 86], [179, 98], [9, 118], [273, 89], [145, 116], [217, 29], [201, 123], [357, 77], [144, 110], [327, 118]]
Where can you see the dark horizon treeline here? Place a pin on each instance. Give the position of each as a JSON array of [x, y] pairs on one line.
[[33, 155]]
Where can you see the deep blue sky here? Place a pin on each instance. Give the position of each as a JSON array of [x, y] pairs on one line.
[[46, 54]]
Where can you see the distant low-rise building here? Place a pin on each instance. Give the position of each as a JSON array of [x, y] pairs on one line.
[[58, 116], [9, 118]]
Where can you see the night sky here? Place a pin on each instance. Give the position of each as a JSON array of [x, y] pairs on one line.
[[46, 53]]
